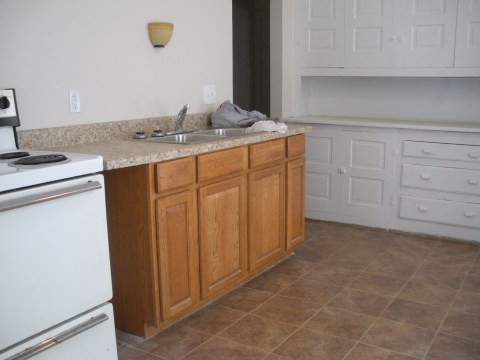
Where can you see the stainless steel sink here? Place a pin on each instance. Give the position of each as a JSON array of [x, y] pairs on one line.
[[224, 132], [198, 136], [189, 138]]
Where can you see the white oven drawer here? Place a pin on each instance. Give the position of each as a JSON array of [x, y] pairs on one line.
[[437, 178], [441, 151], [54, 257], [440, 211], [88, 336]]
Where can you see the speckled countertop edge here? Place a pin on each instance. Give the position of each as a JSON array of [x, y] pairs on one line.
[[125, 153]]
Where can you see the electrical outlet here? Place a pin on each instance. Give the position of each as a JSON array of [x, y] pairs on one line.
[[209, 94], [74, 101]]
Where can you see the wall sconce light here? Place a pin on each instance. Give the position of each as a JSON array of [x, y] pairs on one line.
[[160, 33]]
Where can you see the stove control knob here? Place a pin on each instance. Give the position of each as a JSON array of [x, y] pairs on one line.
[[4, 103]]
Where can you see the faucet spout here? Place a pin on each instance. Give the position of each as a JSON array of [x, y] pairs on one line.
[[181, 117]]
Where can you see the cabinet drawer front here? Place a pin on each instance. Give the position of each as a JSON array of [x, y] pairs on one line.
[[267, 152], [441, 179], [221, 163], [440, 211], [296, 145], [441, 151], [174, 174]]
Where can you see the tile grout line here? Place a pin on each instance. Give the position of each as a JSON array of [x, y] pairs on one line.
[[450, 307], [301, 326], [359, 341]]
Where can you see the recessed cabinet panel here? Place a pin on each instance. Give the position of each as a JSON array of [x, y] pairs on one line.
[[368, 39], [421, 6], [428, 37], [368, 8], [319, 154], [467, 49], [366, 192], [319, 186], [367, 154]]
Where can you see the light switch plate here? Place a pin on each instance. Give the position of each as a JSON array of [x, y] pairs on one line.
[[209, 94]]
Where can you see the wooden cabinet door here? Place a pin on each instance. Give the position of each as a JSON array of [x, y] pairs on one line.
[[177, 252], [266, 205], [295, 203], [222, 229]]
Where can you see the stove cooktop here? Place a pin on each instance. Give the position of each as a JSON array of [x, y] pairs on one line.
[[31, 171]]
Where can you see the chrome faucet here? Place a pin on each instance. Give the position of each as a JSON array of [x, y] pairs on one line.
[[181, 117]]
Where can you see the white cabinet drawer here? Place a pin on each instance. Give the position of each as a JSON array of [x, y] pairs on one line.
[[437, 178], [440, 211], [431, 150]]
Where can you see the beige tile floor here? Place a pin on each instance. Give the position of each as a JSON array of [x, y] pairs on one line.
[[348, 293]]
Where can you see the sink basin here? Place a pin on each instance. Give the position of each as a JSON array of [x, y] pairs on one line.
[[198, 136], [188, 138], [224, 132]]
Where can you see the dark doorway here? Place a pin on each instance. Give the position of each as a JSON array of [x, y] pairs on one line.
[[251, 54]]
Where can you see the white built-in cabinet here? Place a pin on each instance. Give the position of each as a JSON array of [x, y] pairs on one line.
[[467, 45], [350, 174], [388, 34], [417, 181]]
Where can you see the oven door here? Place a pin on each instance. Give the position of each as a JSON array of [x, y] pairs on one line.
[[54, 260]]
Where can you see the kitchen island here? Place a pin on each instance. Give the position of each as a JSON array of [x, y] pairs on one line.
[[188, 223]]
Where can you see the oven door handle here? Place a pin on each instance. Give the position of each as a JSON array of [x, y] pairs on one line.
[[48, 196], [56, 340]]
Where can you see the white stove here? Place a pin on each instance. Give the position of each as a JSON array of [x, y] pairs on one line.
[[13, 176], [53, 249]]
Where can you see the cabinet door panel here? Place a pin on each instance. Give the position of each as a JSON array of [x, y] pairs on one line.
[[367, 174], [222, 224], [368, 30], [320, 32], [177, 252], [425, 32], [295, 203], [321, 166], [266, 200], [467, 46]]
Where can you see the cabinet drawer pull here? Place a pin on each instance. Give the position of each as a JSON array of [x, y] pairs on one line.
[[425, 177], [469, 214], [427, 151], [474, 155], [423, 208], [472, 181]]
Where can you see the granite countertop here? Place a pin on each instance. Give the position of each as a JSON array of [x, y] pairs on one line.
[[124, 153], [388, 123]]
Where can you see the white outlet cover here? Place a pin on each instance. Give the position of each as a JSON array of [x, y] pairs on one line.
[[209, 94], [74, 101]]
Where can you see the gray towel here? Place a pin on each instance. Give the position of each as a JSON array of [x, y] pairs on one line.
[[230, 115]]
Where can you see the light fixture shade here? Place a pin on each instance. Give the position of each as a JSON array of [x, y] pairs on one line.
[[160, 33]]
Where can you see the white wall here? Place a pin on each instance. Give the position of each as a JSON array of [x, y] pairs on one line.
[[101, 48], [437, 99]]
